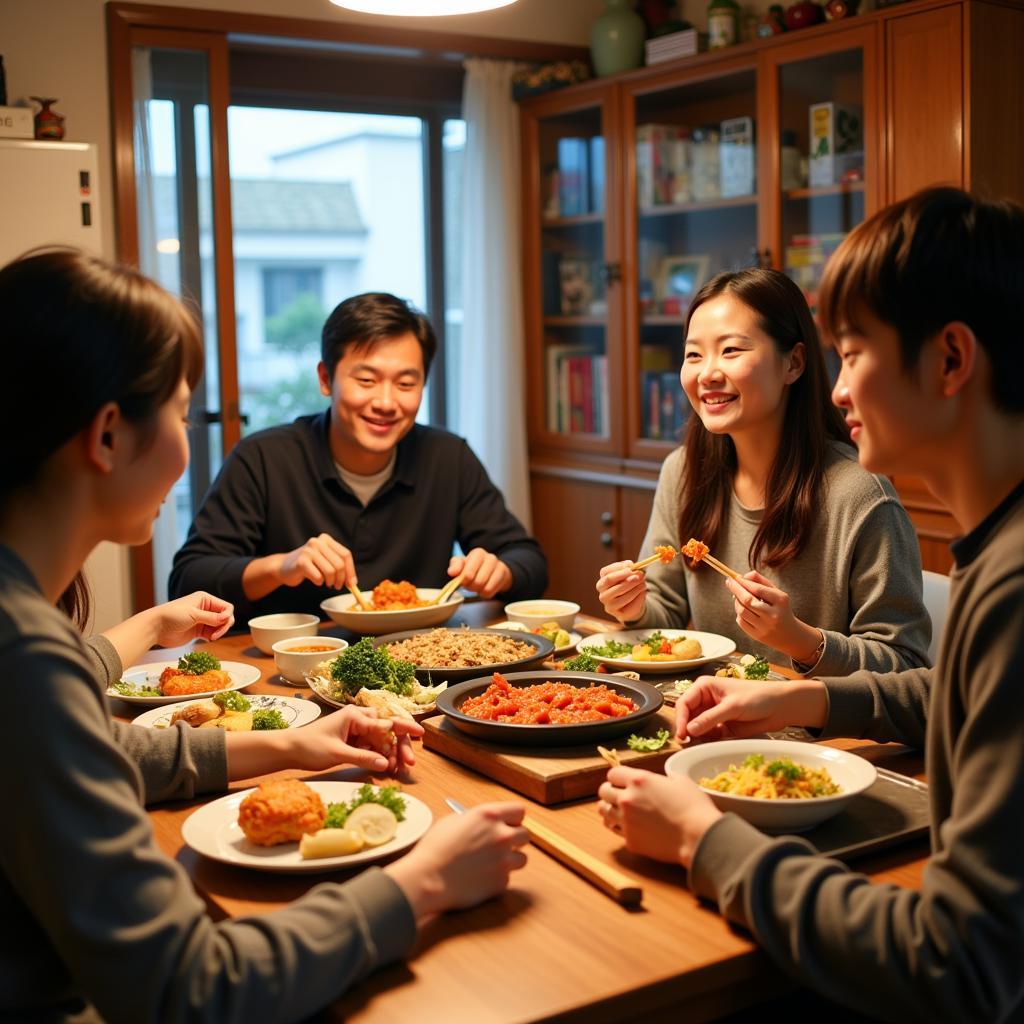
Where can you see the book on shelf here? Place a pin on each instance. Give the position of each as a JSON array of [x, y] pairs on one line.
[[597, 174], [573, 176], [576, 390], [663, 165]]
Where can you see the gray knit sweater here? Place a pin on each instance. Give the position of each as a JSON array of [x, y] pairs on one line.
[[858, 579], [92, 908]]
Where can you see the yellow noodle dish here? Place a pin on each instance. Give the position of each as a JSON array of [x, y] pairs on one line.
[[778, 779]]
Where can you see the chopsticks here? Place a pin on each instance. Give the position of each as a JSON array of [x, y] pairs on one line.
[[609, 880], [358, 595], [447, 590], [698, 552], [611, 756], [662, 553]]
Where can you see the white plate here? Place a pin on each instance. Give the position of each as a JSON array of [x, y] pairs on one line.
[[574, 637], [342, 609], [851, 773], [213, 831], [713, 645], [242, 675], [294, 711]]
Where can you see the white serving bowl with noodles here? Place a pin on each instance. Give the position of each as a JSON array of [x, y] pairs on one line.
[[342, 608], [851, 773]]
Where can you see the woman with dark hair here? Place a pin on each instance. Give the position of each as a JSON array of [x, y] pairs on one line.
[[95, 913], [767, 479]]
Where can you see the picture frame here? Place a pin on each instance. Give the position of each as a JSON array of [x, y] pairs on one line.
[[679, 280]]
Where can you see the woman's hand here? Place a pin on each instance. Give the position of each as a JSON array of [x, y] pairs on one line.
[[463, 859], [354, 736], [483, 572], [719, 708], [659, 817], [763, 611], [196, 616], [622, 591]]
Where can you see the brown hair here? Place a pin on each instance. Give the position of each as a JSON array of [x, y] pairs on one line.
[[942, 256], [810, 423], [95, 332]]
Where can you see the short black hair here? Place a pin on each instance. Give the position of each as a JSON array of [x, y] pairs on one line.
[[942, 256], [366, 319]]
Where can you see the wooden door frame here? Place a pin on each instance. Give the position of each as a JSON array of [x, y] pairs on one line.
[[123, 38]]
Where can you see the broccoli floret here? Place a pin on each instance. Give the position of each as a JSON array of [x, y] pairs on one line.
[[784, 767], [581, 663], [268, 718], [753, 761], [126, 689], [232, 700], [757, 669], [195, 663], [362, 664], [387, 796]]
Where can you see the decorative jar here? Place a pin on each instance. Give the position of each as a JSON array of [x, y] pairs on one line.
[[617, 39]]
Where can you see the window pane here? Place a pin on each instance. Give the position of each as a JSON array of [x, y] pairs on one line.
[[454, 148], [324, 205]]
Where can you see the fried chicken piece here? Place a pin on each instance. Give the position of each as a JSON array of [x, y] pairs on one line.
[[177, 683], [694, 549], [281, 811], [197, 714]]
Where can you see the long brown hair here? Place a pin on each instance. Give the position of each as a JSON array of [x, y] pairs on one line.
[[93, 332], [810, 422]]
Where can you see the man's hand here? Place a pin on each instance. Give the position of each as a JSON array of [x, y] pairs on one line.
[[482, 572], [321, 560]]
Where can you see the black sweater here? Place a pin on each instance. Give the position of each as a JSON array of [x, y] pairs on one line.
[[280, 487]]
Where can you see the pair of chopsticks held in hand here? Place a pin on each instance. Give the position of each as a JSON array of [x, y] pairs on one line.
[[443, 594], [692, 549]]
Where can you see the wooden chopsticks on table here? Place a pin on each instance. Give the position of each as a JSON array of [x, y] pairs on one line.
[[620, 887]]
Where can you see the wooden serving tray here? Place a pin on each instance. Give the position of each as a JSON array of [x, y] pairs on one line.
[[549, 775]]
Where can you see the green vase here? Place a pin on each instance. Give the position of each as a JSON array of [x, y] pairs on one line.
[[617, 39]]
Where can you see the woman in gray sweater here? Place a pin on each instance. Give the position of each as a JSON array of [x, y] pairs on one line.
[[95, 915], [831, 572]]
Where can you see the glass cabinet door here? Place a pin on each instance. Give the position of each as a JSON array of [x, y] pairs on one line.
[[573, 271], [695, 202], [827, 177]]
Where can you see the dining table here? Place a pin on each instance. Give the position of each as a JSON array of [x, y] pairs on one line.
[[552, 947]]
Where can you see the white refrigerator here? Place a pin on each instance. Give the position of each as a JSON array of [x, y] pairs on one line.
[[49, 195]]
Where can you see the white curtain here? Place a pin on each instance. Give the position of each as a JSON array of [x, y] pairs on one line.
[[491, 401]]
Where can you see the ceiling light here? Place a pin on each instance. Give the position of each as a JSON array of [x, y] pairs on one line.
[[421, 8]]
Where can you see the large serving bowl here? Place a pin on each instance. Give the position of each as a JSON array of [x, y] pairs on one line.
[[268, 629], [541, 646], [646, 697], [342, 608], [541, 611], [851, 773]]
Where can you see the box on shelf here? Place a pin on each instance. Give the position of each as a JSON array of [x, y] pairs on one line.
[[672, 46], [663, 159], [16, 123], [705, 164], [737, 157], [837, 142]]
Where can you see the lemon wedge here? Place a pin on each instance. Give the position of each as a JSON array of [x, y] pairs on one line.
[[376, 824]]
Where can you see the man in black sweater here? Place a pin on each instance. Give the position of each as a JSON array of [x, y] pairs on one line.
[[296, 508]]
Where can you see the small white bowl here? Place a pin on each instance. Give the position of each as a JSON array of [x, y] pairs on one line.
[[540, 610], [851, 773], [294, 664], [268, 629]]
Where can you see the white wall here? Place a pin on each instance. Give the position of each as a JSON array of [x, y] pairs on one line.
[[59, 48]]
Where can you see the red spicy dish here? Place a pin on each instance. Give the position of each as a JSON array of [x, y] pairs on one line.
[[547, 703]]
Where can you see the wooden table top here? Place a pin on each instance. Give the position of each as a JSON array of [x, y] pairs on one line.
[[552, 948]]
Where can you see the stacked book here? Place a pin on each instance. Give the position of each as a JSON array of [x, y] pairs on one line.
[[577, 390], [672, 46]]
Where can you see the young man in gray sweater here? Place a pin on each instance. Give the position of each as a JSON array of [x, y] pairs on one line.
[[925, 302]]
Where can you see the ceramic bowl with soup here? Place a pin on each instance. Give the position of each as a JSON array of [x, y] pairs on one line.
[[301, 654], [541, 611], [268, 629]]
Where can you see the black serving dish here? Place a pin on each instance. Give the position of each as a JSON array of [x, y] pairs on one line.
[[647, 698], [435, 674]]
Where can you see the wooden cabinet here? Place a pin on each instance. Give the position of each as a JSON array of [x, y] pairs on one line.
[[639, 187]]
